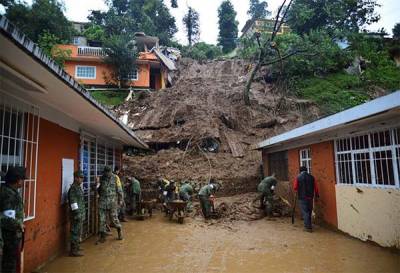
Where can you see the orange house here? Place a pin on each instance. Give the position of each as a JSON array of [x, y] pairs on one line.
[[354, 156], [52, 126], [87, 66]]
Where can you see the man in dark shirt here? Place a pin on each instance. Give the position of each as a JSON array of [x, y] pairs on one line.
[[306, 189]]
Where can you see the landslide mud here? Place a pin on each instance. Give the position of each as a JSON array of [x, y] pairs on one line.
[[200, 128], [158, 245]]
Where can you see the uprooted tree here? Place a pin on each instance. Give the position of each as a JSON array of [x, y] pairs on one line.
[[269, 52]]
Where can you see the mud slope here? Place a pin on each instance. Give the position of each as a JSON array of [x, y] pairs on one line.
[[200, 127]]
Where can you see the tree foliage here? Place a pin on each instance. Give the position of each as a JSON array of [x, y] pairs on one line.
[[228, 26], [192, 25], [121, 54], [396, 31], [43, 16], [201, 51], [332, 15], [258, 10], [48, 43], [94, 33]]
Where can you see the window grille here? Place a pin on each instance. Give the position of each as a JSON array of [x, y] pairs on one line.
[[371, 159], [85, 72], [278, 164], [305, 159], [133, 75], [19, 128]]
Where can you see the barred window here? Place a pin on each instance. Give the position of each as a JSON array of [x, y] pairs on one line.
[[278, 164], [305, 159], [370, 159], [85, 72], [133, 75]]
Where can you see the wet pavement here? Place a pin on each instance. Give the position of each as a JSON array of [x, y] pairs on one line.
[[158, 245]]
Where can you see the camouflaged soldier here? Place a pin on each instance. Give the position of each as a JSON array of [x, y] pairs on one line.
[[136, 194], [76, 213], [266, 188], [185, 194], [110, 197], [12, 210]]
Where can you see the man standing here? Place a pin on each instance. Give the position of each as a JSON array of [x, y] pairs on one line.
[[12, 210], [266, 188], [136, 195], [205, 193], [122, 207], [185, 194], [76, 213], [110, 196], [306, 189]]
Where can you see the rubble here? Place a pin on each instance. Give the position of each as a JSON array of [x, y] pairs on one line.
[[200, 128]]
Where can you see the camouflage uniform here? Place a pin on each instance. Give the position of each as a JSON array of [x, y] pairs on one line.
[[11, 206], [185, 194], [122, 207], [265, 188], [109, 197], [136, 194], [204, 197], [77, 215]]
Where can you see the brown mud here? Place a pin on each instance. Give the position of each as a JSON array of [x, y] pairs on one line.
[[159, 245], [200, 128]]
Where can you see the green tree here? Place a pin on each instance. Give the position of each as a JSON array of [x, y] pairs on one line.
[[201, 51], [192, 26], [43, 15], [121, 54], [174, 3], [332, 15], [48, 43], [228, 26], [258, 10], [94, 33], [396, 31]]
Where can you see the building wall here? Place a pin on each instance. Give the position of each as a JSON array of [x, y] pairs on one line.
[[46, 233], [370, 214], [102, 71], [323, 169]]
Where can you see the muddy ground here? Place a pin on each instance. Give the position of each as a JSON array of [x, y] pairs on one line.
[[158, 245], [200, 128]]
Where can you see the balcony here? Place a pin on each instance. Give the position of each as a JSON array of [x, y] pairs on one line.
[[91, 51]]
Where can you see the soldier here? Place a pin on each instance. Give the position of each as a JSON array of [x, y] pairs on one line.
[[185, 194], [110, 196], [136, 193], [267, 187], [205, 193], [122, 207], [12, 210], [76, 213]]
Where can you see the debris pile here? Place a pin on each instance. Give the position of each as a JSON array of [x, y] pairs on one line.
[[201, 128]]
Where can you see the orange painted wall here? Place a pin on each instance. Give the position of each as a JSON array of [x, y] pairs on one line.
[[46, 233], [323, 169], [103, 70]]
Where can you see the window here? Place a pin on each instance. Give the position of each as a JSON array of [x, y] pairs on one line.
[[85, 72], [305, 159], [133, 75], [371, 159], [19, 135], [278, 164], [75, 40]]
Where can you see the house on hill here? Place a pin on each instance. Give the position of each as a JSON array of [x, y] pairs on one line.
[[355, 157], [262, 26], [52, 126], [86, 64]]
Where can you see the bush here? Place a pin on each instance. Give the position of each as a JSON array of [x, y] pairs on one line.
[[202, 51]]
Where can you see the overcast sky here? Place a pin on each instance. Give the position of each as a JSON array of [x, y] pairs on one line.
[[78, 10]]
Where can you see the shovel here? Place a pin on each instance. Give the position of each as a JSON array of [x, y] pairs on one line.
[[294, 207]]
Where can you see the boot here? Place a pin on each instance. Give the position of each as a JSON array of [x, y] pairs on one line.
[[102, 238], [119, 234], [75, 251]]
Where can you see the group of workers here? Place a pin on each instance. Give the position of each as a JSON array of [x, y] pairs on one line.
[[306, 190], [116, 198]]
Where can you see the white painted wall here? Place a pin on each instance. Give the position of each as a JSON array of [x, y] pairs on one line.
[[372, 214]]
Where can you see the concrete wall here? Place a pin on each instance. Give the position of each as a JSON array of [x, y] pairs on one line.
[[370, 214], [45, 235]]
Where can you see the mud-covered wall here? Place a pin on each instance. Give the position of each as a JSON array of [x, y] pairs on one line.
[[370, 214]]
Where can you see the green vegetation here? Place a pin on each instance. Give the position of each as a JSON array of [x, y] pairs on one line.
[[201, 51], [110, 97], [228, 26]]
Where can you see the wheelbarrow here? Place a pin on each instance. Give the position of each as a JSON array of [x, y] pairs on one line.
[[146, 209], [176, 208]]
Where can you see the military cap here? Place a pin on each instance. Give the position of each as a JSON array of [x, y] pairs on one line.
[[107, 169], [78, 173], [15, 173]]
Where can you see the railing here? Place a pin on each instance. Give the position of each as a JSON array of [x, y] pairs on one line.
[[91, 51]]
